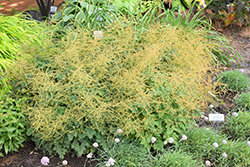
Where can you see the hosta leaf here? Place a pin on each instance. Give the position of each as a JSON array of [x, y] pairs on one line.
[[80, 16], [66, 18]]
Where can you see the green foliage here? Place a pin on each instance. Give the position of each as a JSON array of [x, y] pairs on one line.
[[174, 158], [12, 124], [5, 85], [235, 80], [125, 153], [14, 31], [91, 14], [238, 127], [243, 100], [200, 141], [146, 83], [238, 12]]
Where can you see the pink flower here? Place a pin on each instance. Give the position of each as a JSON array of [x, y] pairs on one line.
[[95, 144], [171, 140], [208, 163], [165, 142], [119, 131], [111, 161], [224, 141], [235, 114], [117, 140], [153, 139], [45, 161], [241, 70], [248, 143], [184, 137], [224, 155], [215, 145]]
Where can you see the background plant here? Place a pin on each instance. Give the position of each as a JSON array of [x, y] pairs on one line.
[[235, 80], [243, 100], [237, 12], [15, 31], [91, 14], [12, 124]]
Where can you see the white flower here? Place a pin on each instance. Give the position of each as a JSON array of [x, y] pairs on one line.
[[205, 118], [165, 142], [111, 161], [224, 141], [89, 155], [119, 131], [65, 162], [184, 137], [171, 140], [45, 160], [117, 140], [241, 70], [208, 163], [107, 164], [153, 139], [248, 143], [235, 114], [215, 145], [211, 106], [224, 155], [95, 144]]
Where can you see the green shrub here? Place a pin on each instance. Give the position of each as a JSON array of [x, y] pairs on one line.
[[15, 31], [243, 100], [238, 127], [235, 80], [12, 124], [149, 84]]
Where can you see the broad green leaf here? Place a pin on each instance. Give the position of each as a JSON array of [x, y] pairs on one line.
[[80, 16], [57, 16], [66, 18]]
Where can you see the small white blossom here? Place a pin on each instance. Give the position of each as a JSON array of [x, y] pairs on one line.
[[215, 145], [153, 139], [119, 131], [184, 137], [95, 144], [171, 140], [224, 141], [65, 162], [117, 140], [89, 155], [208, 163], [224, 155], [165, 142]]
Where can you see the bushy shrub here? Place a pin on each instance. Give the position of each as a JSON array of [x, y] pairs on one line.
[[237, 126], [12, 124], [15, 31], [149, 84], [235, 80], [243, 100]]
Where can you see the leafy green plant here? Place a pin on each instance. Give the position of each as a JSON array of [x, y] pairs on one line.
[[235, 80], [15, 31], [237, 126], [12, 124], [243, 100], [92, 14]]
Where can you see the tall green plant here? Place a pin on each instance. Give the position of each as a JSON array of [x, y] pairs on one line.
[[15, 31]]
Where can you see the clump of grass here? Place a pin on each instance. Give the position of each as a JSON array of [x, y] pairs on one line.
[[243, 100], [235, 80], [237, 126]]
